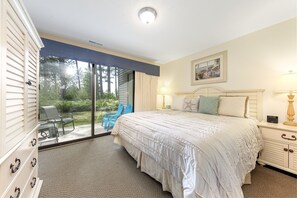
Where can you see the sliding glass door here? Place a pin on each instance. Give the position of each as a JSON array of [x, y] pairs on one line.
[[107, 95], [114, 93], [64, 100], [76, 97]]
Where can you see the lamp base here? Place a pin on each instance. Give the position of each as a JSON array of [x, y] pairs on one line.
[[290, 112], [163, 105], [290, 123]]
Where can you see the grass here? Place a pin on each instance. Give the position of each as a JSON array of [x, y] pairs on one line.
[[84, 118]]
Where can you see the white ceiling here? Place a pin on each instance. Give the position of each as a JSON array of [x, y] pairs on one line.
[[182, 27]]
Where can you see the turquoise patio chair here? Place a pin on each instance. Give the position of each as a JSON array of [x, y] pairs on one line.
[[107, 116], [112, 120], [128, 109]]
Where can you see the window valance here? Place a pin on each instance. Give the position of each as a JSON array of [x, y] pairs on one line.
[[55, 48]]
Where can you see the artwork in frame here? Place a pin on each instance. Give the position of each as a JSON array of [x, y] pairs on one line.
[[210, 69]]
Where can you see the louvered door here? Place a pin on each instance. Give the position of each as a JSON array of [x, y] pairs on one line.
[[293, 157], [275, 153], [14, 78], [32, 85]]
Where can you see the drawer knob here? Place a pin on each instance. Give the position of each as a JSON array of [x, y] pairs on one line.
[[285, 149], [33, 182], [15, 167], [291, 150], [33, 162], [33, 142], [17, 192], [293, 137]]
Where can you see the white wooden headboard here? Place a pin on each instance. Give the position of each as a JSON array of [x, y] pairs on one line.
[[255, 97]]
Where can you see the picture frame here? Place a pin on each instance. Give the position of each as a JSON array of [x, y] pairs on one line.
[[210, 69]]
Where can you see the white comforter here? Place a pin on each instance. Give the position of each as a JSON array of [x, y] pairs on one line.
[[209, 155]]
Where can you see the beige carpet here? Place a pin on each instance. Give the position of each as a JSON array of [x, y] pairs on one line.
[[99, 168]]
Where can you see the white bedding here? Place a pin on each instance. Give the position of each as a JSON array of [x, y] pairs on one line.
[[209, 155]]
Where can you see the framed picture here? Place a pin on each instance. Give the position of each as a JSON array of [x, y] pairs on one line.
[[210, 69]]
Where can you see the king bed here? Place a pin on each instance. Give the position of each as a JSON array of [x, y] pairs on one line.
[[196, 154]]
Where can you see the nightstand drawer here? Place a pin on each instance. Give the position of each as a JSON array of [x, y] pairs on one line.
[[283, 136]]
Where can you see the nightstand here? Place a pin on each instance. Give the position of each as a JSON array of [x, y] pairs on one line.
[[280, 146]]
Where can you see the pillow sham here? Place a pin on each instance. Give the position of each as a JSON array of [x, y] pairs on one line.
[[177, 102], [233, 106], [190, 104], [209, 105]]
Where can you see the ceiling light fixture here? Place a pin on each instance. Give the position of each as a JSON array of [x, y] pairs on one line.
[[147, 15]]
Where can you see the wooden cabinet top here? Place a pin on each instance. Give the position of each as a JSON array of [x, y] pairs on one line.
[[278, 126]]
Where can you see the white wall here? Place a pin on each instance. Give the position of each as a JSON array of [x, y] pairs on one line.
[[255, 61]]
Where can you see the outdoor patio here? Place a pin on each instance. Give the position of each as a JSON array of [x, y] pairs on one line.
[[80, 131]]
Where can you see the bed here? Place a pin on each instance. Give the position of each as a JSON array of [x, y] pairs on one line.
[[195, 154]]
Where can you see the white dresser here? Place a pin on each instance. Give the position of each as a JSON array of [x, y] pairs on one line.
[[280, 146], [19, 72]]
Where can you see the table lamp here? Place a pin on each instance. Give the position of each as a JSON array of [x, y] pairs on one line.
[[163, 92], [288, 84]]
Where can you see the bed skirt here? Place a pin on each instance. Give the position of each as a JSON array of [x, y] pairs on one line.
[[153, 169]]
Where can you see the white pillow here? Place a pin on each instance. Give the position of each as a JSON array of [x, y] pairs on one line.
[[177, 102], [191, 104], [233, 106]]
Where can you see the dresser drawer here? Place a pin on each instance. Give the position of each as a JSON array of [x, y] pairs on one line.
[[20, 181], [279, 135], [17, 161], [31, 184], [22, 185]]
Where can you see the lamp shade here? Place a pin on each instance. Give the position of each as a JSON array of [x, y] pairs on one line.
[[164, 91], [287, 83]]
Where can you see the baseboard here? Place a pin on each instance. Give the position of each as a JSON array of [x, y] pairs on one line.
[[38, 188], [279, 170], [66, 143]]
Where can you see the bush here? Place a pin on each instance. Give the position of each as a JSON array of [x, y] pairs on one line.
[[74, 106], [109, 96], [71, 93], [64, 106], [107, 104]]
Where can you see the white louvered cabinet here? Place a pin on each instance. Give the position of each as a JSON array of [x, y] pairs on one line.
[[19, 73], [280, 146]]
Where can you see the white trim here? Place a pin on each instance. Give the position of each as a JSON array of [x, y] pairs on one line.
[[38, 188], [3, 83], [21, 11], [264, 162], [278, 126]]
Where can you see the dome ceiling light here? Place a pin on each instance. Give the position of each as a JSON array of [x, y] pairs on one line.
[[147, 15]]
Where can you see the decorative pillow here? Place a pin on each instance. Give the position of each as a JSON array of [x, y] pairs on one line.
[[191, 104], [209, 104], [233, 106], [178, 102]]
